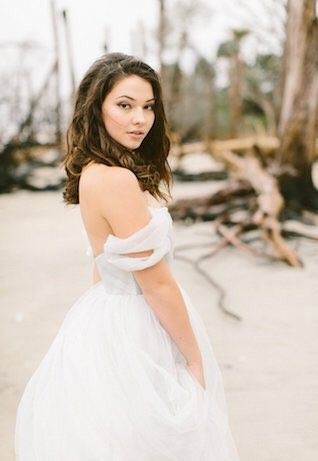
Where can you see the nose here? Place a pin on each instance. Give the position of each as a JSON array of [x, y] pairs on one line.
[[138, 116]]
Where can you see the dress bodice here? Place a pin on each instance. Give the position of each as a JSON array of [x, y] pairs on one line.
[[116, 267]]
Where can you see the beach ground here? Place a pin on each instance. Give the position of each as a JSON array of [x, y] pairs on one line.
[[269, 360]]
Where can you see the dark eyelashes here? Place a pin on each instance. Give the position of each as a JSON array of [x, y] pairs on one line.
[[124, 105]]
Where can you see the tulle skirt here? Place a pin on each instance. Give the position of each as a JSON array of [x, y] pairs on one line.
[[114, 387]]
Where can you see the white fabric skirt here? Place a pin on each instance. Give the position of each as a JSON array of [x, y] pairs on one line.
[[114, 387]]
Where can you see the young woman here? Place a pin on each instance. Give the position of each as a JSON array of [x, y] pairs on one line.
[[131, 374]]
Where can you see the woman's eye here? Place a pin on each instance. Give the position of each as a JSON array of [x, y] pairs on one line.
[[126, 105]]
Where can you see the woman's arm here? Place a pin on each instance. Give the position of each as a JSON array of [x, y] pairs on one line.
[[121, 203], [167, 303]]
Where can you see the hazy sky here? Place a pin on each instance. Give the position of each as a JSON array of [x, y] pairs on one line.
[[91, 21], [94, 20]]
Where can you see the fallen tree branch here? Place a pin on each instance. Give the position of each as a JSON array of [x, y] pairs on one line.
[[269, 200], [268, 145], [298, 228], [250, 201]]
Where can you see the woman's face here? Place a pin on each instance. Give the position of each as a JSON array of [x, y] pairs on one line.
[[128, 111]]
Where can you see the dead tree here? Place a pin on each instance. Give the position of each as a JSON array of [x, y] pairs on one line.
[[58, 129], [69, 52], [231, 51], [161, 34], [299, 109]]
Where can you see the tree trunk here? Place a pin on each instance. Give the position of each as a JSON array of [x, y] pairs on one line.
[[161, 34], [235, 93], [58, 129], [210, 128], [298, 117], [70, 55]]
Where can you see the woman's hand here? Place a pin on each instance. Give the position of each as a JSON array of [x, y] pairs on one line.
[[196, 370]]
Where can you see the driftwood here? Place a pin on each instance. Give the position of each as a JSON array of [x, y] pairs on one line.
[[266, 203], [249, 203], [267, 145], [201, 207], [180, 175], [269, 200], [298, 228]]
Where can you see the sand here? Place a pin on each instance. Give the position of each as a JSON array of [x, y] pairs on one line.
[[269, 360]]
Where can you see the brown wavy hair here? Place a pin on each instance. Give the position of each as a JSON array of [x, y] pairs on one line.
[[88, 140]]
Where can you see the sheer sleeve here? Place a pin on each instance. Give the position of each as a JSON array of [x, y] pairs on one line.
[[153, 236]]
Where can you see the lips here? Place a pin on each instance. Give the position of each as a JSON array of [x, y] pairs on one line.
[[137, 132]]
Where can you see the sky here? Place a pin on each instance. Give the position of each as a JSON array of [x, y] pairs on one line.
[[93, 21], [90, 23]]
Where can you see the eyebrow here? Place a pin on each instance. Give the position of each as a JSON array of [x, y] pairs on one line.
[[132, 99]]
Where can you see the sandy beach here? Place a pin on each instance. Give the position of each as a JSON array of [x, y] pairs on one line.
[[269, 360]]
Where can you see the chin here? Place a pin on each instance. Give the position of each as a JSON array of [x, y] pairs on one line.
[[132, 145]]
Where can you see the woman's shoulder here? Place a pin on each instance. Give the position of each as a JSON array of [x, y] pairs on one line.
[[98, 175], [100, 170]]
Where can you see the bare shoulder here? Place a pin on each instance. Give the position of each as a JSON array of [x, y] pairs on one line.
[[99, 177], [114, 191]]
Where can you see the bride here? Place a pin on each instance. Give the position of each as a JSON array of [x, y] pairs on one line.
[[131, 374]]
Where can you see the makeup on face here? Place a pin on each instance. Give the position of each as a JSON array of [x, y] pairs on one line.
[[128, 111]]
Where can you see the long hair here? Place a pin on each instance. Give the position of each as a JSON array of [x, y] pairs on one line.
[[88, 140]]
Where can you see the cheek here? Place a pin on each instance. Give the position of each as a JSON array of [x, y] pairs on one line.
[[113, 119]]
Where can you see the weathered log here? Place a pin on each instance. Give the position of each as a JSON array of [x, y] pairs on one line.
[[269, 199], [182, 207], [298, 228], [250, 176], [299, 108], [232, 238], [213, 175], [268, 145]]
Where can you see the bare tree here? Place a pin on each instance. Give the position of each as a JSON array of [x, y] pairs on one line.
[[56, 73], [161, 33], [70, 56], [299, 109], [262, 88], [174, 40], [232, 51]]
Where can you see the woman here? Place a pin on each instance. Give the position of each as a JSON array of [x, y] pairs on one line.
[[131, 374]]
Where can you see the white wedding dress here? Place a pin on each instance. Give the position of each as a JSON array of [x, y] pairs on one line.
[[113, 385]]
